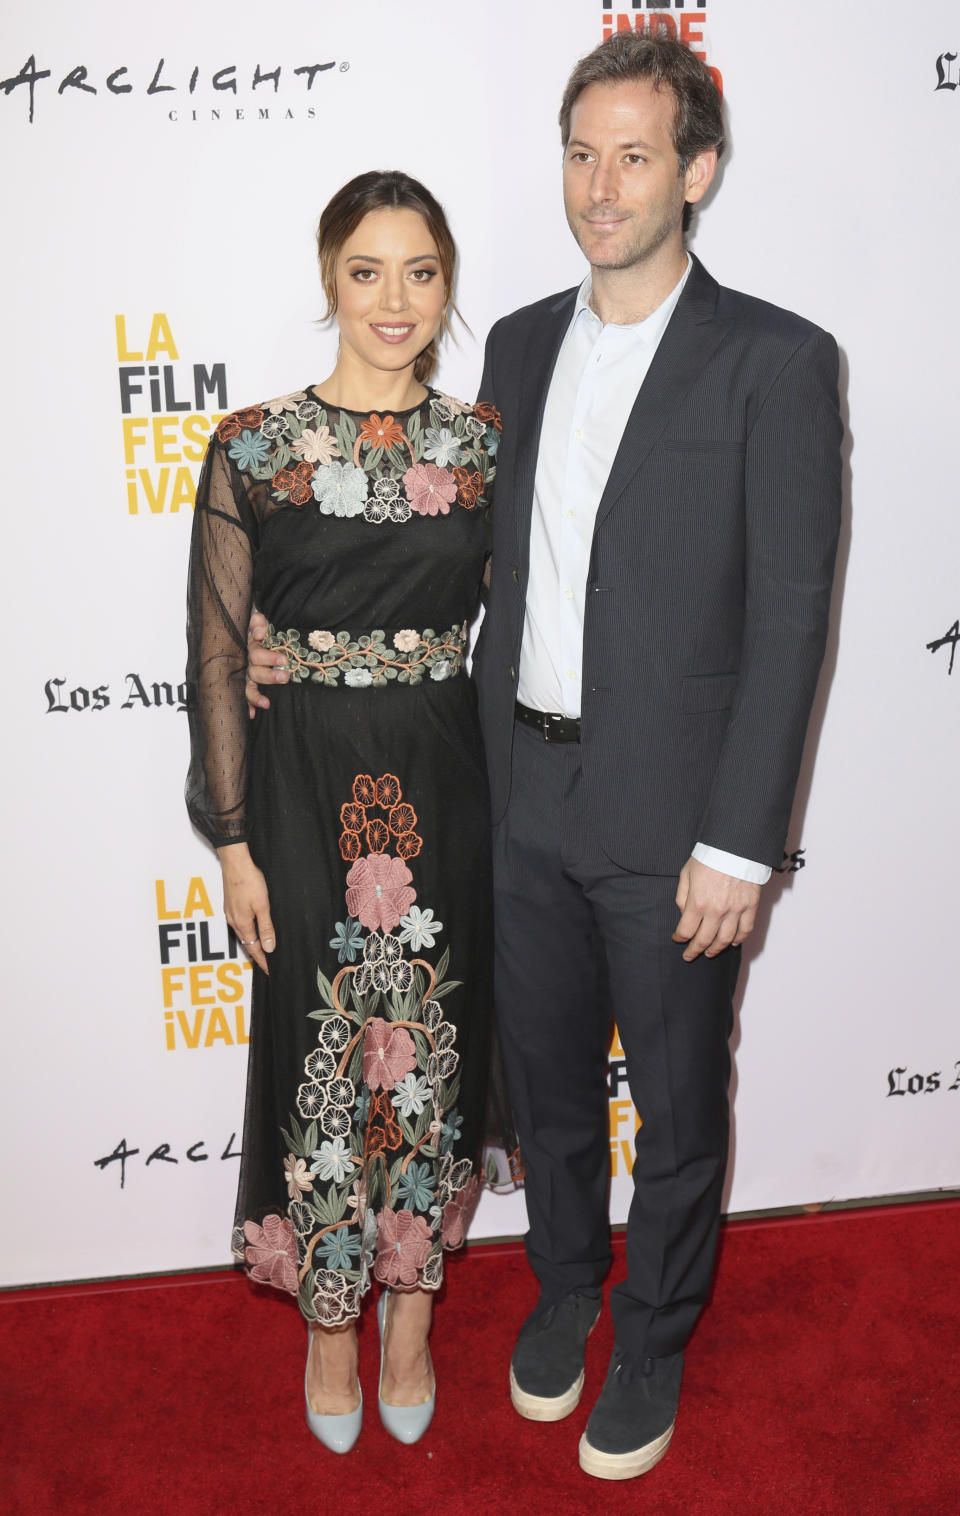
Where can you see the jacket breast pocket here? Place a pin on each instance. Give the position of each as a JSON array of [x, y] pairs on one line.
[[700, 693], [705, 445]]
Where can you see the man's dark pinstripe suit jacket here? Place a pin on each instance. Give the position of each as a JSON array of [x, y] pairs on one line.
[[708, 590]]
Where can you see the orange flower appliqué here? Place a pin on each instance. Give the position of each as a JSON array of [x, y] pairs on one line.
[[364, 790], [350, 846], [484, 411], [383, 1131], [469, 485], [403, 818], [251, 417], [296, 481], [352, 817], [381, 431], [229, 428], [388, 791], [377, 836]]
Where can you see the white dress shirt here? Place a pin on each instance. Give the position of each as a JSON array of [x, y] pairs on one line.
[[599, 370]]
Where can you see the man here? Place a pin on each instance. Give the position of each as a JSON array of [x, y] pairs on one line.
[[664, 530], [665, 524]]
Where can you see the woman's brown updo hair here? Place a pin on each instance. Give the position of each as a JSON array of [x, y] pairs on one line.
[[386, 190]]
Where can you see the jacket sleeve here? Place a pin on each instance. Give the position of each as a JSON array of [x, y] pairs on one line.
[[792, 523]]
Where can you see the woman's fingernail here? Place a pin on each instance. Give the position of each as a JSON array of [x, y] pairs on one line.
[[268, 944]]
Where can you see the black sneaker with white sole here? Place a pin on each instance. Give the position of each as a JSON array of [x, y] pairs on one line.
[[631, 1425], [546, 1371]]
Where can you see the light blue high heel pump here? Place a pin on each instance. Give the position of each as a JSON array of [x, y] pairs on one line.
[[407, 1423], [338, 1433]]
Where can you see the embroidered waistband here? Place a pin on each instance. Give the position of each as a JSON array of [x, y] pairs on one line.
[[371, 658]]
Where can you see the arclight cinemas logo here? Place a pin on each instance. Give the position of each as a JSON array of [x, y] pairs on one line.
[[184, 92]]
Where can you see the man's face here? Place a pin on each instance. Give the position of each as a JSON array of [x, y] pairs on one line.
[[622, 187]]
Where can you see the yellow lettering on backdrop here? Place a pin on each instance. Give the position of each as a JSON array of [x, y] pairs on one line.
[[184, 491], [163, 914], [230, 980], [619, 1115], [165, 435], [191, 1037], [197, 899], [200, 976], [195, 429], [161, 338], [171, 978], [155, 497], [242, 1037], [124, 353], [217, 1029], [130, 438]]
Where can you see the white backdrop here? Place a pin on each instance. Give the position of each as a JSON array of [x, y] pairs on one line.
[[189, 213]]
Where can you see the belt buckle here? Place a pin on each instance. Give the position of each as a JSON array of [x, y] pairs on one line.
[[545, 726]]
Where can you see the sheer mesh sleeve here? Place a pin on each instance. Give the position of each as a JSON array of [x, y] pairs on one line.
[[219, 597]]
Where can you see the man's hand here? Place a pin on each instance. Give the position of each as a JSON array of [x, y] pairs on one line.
[[264, 665], [718, 911]]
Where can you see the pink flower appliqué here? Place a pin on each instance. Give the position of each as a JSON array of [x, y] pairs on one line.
[[430, 489], [388, 1054], [458, 1212], [272, 1252], [378, 891], [403, 1242]]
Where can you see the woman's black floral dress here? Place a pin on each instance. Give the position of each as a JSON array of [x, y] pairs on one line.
[[363, 798]]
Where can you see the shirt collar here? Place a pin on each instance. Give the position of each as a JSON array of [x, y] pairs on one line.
[[652, 327]]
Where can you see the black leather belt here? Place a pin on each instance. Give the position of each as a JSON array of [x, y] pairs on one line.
[[552, 728]]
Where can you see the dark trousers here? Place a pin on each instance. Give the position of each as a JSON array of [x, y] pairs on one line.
[[579, 939]]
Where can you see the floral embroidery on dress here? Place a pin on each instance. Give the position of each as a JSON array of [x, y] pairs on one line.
[[367, 660], [373, 1182], [387, 468]]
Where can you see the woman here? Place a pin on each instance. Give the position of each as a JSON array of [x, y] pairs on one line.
[[352, 512]]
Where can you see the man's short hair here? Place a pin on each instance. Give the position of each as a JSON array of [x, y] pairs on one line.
[[668, 64]]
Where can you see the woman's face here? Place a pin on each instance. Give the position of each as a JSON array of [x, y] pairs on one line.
[[390, 291]]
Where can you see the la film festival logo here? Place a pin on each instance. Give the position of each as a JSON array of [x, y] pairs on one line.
[[656, 16], [179, 92], [204, 978], [625, 1123], [205, 999], [168, 409]]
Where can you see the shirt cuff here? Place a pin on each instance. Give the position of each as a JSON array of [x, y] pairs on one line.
[[732, 864]]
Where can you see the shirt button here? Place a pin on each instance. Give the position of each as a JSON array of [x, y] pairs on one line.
[[568, 594], [571, 514], [571, 673], [578, 434]]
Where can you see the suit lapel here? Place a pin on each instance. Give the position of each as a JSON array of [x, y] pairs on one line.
[[692, 336], [537, 364]]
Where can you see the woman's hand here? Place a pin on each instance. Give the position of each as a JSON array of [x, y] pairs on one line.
[[246, 903], [264, 665]]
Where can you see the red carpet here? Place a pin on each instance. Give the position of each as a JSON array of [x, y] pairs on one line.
[[825, 1378]]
